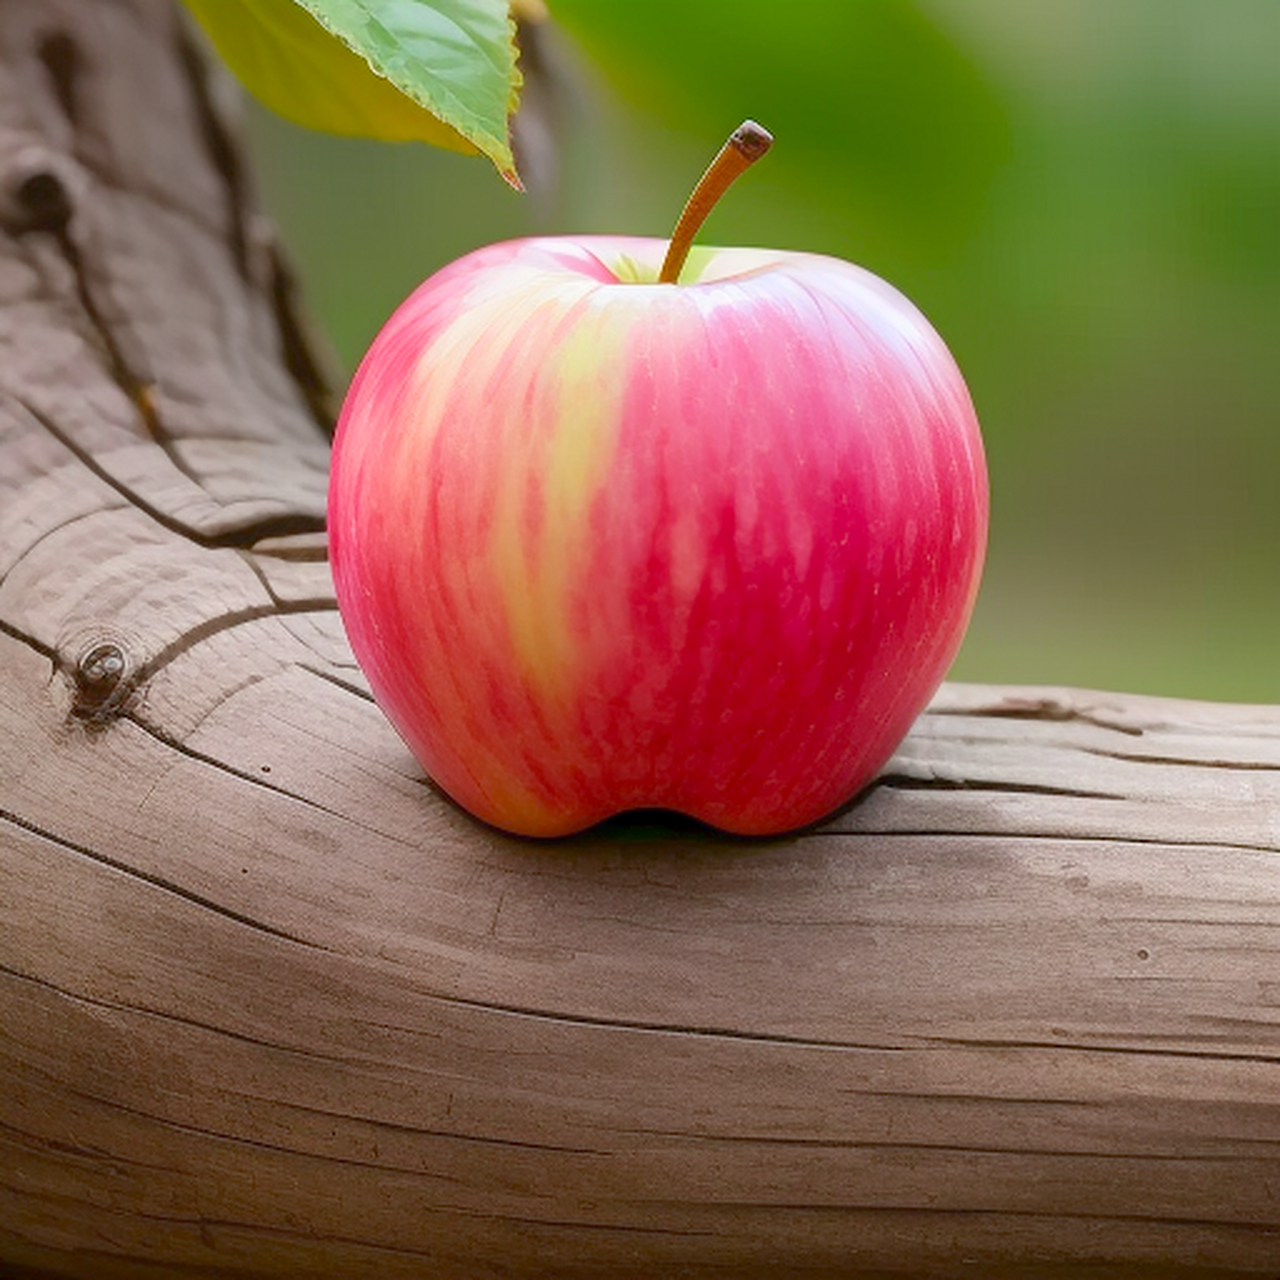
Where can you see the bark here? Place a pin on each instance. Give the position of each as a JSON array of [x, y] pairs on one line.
[[269, 1006]]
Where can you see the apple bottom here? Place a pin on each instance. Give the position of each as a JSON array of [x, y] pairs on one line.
[[755, 706], [755, 795]]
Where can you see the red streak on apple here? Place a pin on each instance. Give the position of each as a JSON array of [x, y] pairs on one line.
[[603, 544]]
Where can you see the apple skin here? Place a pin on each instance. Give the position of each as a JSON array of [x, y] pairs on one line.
[[601, 544]]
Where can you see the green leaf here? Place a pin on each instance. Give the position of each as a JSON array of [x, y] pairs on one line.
[[437, 71]]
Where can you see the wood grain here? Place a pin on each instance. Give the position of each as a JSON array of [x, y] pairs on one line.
[[270, 1007]]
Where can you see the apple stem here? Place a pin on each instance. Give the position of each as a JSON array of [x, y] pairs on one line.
[[746, 144]]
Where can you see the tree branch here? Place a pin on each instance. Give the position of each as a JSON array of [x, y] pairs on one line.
[[270, 1006]]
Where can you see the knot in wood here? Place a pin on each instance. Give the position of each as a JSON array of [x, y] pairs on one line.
[[100, 685], [45, 200], [38, 193], [101, 667]]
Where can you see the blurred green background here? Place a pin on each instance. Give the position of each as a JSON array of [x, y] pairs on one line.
[[1084, 197]]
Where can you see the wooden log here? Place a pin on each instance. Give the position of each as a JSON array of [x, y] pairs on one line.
[[270, 1007]]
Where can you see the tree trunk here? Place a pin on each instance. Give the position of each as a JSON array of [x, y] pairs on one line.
[[269, 1006]]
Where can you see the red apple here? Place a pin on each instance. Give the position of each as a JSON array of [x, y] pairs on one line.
[[602, 543]]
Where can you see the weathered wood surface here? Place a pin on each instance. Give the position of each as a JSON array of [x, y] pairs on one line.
[[270, 1007]]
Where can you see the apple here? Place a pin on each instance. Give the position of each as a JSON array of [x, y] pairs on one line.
[[605, 542]]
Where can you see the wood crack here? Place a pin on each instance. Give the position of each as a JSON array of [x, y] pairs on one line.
[[259, 1144], [127, 369], [1140, 1051], [948, 834], [222, 152], [298, 345], [452, 1135], [227, 622], [566, 1018], [1070, 1269], [1053, 710], [346, 686], [954, 1148], [1186, 762], [52, 531], [159, 882], [122, 1006], [366, 1243], [77, 1151], [60, 56], [910, 782], [256, 780], [241, 537], [32, 642]]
